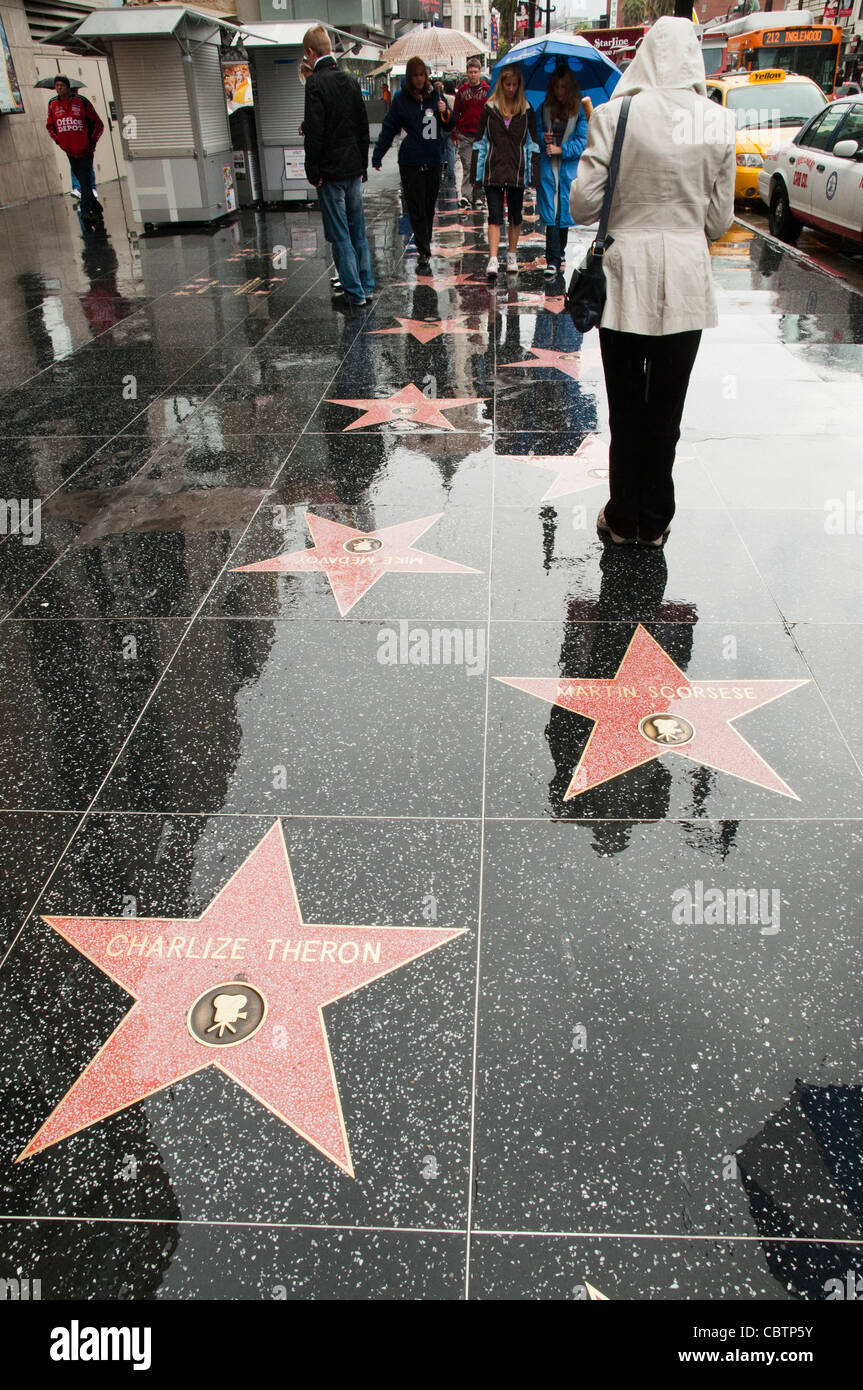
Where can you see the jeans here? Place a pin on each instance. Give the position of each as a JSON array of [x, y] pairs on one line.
[[464, 156], [646, 380], [420, 190], [82, 168], [447, 150], [555, 244], [341, 203]]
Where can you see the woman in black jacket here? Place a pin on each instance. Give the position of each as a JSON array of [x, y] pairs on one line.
[[421, 114]]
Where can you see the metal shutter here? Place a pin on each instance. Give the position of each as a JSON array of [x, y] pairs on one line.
[[152, 85], [280, 99], [212, 106]]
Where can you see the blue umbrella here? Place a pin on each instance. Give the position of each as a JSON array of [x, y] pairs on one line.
[[596, 75]]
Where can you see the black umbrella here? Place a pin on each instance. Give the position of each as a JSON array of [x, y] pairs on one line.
[[49, 82]]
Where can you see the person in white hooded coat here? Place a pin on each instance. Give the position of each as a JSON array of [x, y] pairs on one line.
[[674, 193]]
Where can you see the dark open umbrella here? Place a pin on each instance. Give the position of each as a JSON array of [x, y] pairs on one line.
[[49, 82]]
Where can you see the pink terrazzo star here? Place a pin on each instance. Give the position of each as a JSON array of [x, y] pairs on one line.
[[570, 363], [650, 708], [441, 282], [250, 953], [354, 560], [407, 406], [586, 468], [425, 330]]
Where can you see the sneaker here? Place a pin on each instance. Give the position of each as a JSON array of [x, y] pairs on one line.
[[551, 271], [76, 193], [464, 202], [512, 263], [423, 266], [492, 267], [602, 525]]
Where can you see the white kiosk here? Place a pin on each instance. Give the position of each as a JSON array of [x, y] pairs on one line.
[[167, 78], [275, 52]]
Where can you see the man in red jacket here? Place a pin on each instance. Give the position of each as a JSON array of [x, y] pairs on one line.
[[470, 98], [74, 124]]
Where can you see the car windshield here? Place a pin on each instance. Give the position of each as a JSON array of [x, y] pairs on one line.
[[776, 104]]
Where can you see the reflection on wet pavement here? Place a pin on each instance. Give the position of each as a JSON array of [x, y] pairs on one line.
[[309, 623]]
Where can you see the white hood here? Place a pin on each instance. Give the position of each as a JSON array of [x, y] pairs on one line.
[[669, 56]]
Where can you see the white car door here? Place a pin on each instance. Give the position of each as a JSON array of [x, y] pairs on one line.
[[848, 196], [810, 173], [824, 174]]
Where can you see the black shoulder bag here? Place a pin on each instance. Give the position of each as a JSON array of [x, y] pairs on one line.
[[585, 298]]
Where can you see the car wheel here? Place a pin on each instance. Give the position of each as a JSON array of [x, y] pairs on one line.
[[783, 224]]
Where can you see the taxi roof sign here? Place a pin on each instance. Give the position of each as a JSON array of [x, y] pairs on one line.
[[768, 75]]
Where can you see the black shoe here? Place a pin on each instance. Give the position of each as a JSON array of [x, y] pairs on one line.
[[423, 266], [344, 301]]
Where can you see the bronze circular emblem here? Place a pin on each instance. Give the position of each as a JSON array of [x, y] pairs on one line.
[[668, 730], [362, 545], [227, 1014]]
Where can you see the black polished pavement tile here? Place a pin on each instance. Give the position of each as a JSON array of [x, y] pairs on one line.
[[51, 409], [152, 365], [30, 846], [547, 401], [237, 407], [549, 561], [141, 550], [426, 472], [686, 1071], [827, 584], [172, 1260], [452, 533], [307, 718], [834, 654], [199, 457], [33, 467], [69, 694], [206, 1147], [553, 1269], [534, 747], [451, 364]]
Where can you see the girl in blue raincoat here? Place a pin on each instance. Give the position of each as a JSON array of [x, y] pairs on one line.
[[562, 122]]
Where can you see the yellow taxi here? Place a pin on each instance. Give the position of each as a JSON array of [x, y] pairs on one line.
[[768, 104]]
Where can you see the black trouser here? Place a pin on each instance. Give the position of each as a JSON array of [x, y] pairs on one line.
[[420, 189], [82, 168], [646, 379], [494, 196], [555, 244]]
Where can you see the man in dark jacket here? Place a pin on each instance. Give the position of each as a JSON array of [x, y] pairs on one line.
[[75, 125], [336, 140]]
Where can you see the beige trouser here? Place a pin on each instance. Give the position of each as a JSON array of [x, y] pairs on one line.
[[463, 157]]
